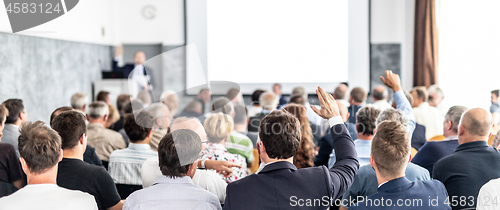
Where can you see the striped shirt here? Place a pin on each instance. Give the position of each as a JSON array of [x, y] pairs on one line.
[[125, 164], [240, 144]]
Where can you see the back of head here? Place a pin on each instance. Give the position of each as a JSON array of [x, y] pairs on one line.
[[391, 149], [171, 99], [297, 99], [366, 119], [194, 106], [218, 126], [166, 93], [358, 95], [70, 125], [122, 100], [256, 96], [15, 107], [138, 128], [177, 151], [421, 93], [4, 112], [340, 91], [39, 146], [57, 112], [495, 92], [435, 89], [268, 101], [232, 93], [280, 133], [191, 123], [98, 110], [134, 105], [114, 115], [223, 105], [240, 114], [380, 93], [160, 113], [143, 96], [391, 114], [300, 91], [454, 115], [79, 100], [477, 123], [102, 96]]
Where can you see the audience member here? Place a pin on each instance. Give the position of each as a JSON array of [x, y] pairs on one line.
[[235, 96], [89, 156], [390, 154], [103, 96], [268, 101], [113, 117], [428, 116], [326, 144], [436, 98], [175, 190], [339, 94], [193, 109], [280, 181], [125, 164], [241, 124], [171, 100], [10, 169], [134, 106], [121, 101], [277, 90], [161, 121], [75, 174], [305, 153], [102, 139], [79, 101], [418, 136], [495, 106], [433, 151], [40, 150], [144, 97], [380, 96], [16, 118], [255, 107], [487, 198], [218, 127], [204, 97], [356, 100], [316, 130], [473, 163], [313, 117]]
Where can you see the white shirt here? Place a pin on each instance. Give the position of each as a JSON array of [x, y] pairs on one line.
[[381, 105], [489, 194], [431, 118], [343, 101], [443, 107], [253, 110], [312, 116], [48, 197]]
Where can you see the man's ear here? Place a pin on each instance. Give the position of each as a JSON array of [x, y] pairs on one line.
[[461, 130], [61, 155], [105, 118], [372, 162], [150, 134], [87, 116], [347, 116], [81, 141], [24, 166], [84, 107], [450, 125]]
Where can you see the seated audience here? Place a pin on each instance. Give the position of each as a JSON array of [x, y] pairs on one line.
[[193, 109], [339, 94], [75, 174], [315, 129], [171, 100], [161, 121], [280, 181], [433, 151], [325, 143], [40, 150], [144, 97], [204, 97], [241, 124], [380, 96], [390, 154], [428, 116], [177, 153], [255, 107], [16, 118], [104, 97], [104, 140], [129, 108], [89, 156], [277, 90], [313, 117], [218, 127], [473, 163], [305, 153], [268, 101], [487, 198], [121, 101], [125, 164], [436, 99], [10, 169], [113, 117], [356, 100], [79, 101]]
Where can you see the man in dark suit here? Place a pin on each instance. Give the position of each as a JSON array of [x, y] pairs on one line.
[[390, 154], [139, 59], [280, 185], [473, 163]]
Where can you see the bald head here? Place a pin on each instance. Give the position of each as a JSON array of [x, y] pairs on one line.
[[189, 123], [339, 92], [475, 125], [380, 93], [343, 111]]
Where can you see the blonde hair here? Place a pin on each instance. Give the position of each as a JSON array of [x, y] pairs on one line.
[[218, 126], [113, 115]]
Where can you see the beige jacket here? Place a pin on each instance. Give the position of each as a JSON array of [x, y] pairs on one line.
[[104, 140]]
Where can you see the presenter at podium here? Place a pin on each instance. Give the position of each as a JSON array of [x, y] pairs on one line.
[[139, 76]]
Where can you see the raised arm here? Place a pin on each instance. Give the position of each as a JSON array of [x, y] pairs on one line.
[[393, 81], [346, 165]]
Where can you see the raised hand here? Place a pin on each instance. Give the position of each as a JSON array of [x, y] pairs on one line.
[[391, 80], [328, 104], [118, 51]]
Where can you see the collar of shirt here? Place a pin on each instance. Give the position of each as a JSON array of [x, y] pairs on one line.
[[177, 180], [265, 111], [380, 185], [135, 146], [450, 138]]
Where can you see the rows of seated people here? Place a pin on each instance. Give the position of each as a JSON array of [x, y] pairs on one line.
[[413, 152]]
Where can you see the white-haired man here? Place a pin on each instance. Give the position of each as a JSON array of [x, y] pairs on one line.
[[79, 101], [171, 100], [268, 101]]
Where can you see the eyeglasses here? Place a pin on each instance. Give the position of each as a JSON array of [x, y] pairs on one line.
[[205, 142]]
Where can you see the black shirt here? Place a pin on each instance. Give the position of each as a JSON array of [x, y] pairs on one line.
[[75, 174], [91, 157], [10, 168]]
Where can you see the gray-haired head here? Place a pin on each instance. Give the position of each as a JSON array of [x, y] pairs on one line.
[[391, 114], [224, 105], [268, 101], [79, 100], [98, 109], [380, 93], [300, 91], [454, 115], [160, 113]]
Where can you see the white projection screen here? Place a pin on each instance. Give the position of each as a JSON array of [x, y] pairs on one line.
[[260, 42]]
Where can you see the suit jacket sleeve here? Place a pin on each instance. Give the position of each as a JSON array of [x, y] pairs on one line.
[[343, 171], [325, 149], [227, 202]]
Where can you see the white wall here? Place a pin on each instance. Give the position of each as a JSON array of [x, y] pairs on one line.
[[358, 48]]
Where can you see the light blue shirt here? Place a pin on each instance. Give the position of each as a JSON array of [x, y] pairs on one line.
[[363, 148], [404, 105], [172, 193]]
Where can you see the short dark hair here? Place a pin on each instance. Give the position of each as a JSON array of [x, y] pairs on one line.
[[39, 146], [137, 129], [298, 99], [204, 89], [495, 92], [223, 104], [358, 94], [57, 112], [71, 126], [102, 95], [15, 107], [366, 119], [379, 93], [241, 114], [421, 93], [256, 95], [232, 93], [128, 108], [280, 133], [4, 112], [390, 148], [121, 101], [183, 143]]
